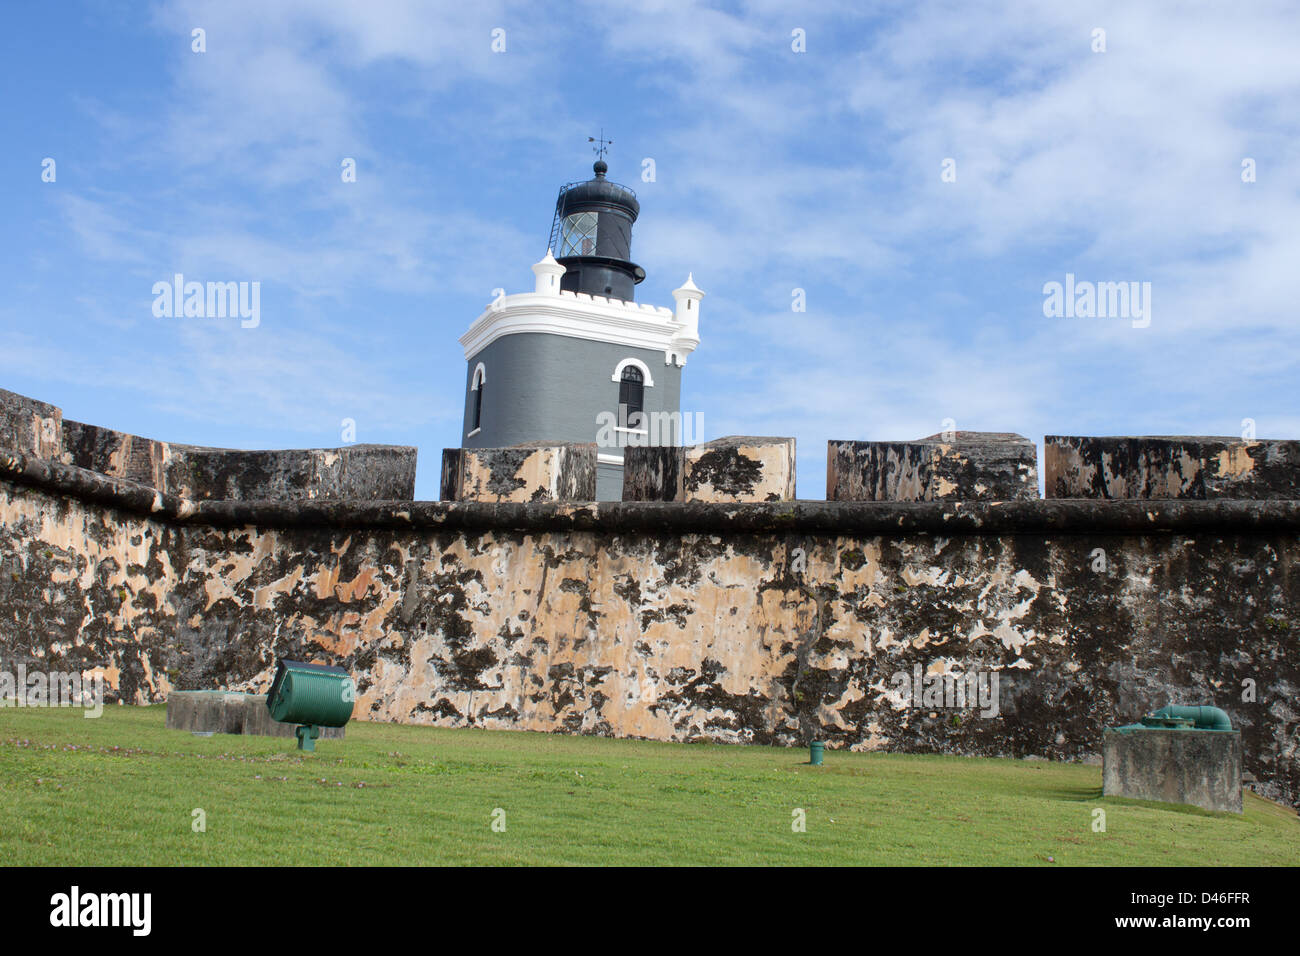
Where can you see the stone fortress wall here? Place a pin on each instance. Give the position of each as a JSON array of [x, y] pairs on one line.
[[194, 472], [706, 606]]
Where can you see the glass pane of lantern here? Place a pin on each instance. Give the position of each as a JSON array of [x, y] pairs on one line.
[[579, 235]]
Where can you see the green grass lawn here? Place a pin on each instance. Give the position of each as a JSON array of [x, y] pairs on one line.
[[120, 790]]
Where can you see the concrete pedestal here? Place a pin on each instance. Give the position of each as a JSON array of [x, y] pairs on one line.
[[1200, 767], [228, 712]]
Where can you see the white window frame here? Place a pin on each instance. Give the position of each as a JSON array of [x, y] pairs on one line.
[[645, 371], [478, 378]]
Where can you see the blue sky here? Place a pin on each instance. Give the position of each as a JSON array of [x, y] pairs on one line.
[[775, 170]]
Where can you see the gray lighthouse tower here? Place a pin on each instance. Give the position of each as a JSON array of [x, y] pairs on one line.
[[577, 359]]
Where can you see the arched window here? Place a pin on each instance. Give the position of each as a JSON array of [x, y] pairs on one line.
[[477, 386], [631, 398], [645, 371]]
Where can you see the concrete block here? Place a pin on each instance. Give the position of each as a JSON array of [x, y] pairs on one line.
[[733, 469], [1197, 767], [536, 471], [653, 473], [229, 712], [965, 466], [360, 472], [740, 468], [1170, 467], [453, 474], [115, 453], [356, 472], [29, 426]]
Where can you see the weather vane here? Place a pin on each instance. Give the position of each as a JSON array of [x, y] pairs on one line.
[[604, 144]]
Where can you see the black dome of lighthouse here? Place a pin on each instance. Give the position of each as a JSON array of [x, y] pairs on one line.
[[598, 191], [591, 236]]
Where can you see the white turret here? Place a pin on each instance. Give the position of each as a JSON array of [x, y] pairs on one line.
[[688, 311], [548, 273]]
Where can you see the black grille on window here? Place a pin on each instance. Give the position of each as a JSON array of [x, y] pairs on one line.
[[631, 397]]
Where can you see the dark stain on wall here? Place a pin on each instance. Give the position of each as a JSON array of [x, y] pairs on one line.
[[726, 469], [1171, 467]]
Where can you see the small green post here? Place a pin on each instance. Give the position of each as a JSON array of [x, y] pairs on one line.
[[815, 751], [307, 734]]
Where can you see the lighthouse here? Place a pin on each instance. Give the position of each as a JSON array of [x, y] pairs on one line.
[[576, 358], [592, 233]]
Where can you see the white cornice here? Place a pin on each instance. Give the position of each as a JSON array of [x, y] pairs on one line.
[[580, 316]]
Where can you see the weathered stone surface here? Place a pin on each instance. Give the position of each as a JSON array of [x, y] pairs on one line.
[[676, 621], [653, 473], [1033, 517], [1202, 768], [536, 471], [971, 466], [29, 426], [228, 712], [115, 453], [453, 474], [1170, 467], [366, 472], [738, 468]]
